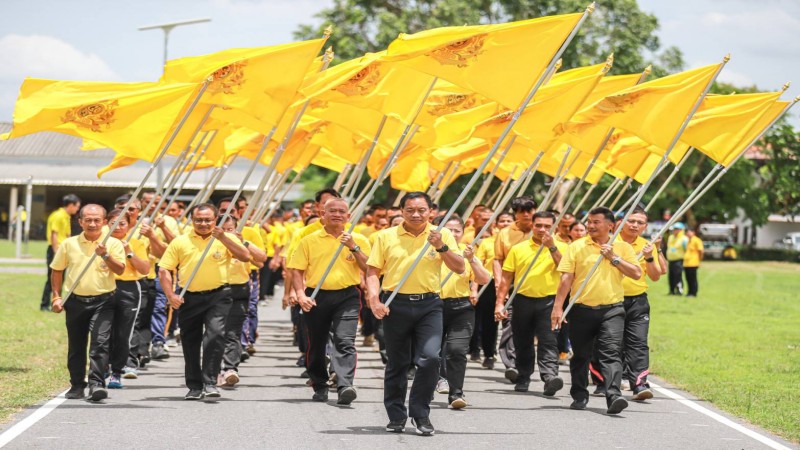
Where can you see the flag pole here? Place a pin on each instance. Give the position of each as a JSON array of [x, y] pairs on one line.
[[286, 190], [669, 178], [207, 194], [434, 186], [498, 194], [139, 188], [266, 206], [445, 184], [611, 187], [400, 195], [487, 181], [340, 179], [188, 173], [620, 194], [200, 197], [362, 165], [493, 151], [643, 189]]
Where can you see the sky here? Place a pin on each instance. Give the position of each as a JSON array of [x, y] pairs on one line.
[[99, 39]]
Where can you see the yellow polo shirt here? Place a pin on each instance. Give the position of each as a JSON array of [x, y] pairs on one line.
[[557, 237], [59, 222], [396, 250], [507, 238], [605, 285], [693, 251], [485, 253], [74, 253], [172, 225], [183, 254], [543, 278], [139, 249], [314, 254], [458, 285], [676, 246], [360, 228], [633, 287], [469, 234], [253, 235], [238, 271]]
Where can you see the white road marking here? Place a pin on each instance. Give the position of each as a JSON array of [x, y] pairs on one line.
[[11, 433], [719, 418]]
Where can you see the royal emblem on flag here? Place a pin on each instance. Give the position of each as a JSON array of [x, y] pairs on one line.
[[451, 103], [92, 116], [459, 53], [361, 83], [227, 78], [620, 103]]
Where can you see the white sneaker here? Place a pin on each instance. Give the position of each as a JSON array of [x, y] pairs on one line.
[[625, 385], [442, 386]]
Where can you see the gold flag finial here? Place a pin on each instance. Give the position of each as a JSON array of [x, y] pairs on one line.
[[609, 63], [797, 99], [648, 69], [558, 64], [329, 51], [727, 58], [328, 31], [590, 8], [786, 86]]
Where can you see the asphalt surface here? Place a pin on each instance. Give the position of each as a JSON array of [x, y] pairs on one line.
[[272, 407]]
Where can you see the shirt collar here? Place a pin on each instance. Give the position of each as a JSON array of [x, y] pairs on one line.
[[402, 230]]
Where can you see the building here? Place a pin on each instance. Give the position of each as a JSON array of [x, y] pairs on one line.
[[51, 165]]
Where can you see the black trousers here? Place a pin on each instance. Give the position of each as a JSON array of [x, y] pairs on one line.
[[48, 290], [334, 317], [413, 333], [506, 348], [458, 322], [231, 356], [484, 337], [269, 278], [532, 318], [606, 326], [203, 318], [369, 323], [300, 334], [564, 345], [691, 280], [126, 304], [635, 352], [140, 342], [88, 323], [675, 276]]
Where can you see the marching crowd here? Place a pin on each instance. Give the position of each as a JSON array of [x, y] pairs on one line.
[[432, 299]]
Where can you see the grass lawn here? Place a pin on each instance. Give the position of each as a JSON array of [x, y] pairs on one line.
[[33, 346], [738, 344], [36, 249]]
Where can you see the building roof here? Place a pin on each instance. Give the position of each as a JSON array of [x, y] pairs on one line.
[[49, 145]]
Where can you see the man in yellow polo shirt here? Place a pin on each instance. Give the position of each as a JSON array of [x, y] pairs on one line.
[[336, 306], [520, 230], [413, 325], [88, 306], [58, 229], [691, 261], [676, 249], [534, 303], [598, 314], [208, 298]]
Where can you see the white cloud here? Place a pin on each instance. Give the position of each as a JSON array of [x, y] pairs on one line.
[[735, 78], [49, 57]]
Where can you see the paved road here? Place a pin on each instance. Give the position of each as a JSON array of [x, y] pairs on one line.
[[272, 408]]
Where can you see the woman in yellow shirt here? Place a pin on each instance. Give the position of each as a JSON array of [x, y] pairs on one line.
[[128, 296], [459, 318]]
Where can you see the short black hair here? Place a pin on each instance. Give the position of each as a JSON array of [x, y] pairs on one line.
[[434, 206], [204, 206], [521, 204], [416, 194], [567, 216], [545, 215], [576, 224], [306, 202], [122, 199], [70, 199], [230, 218], [607, 213], [640, 210], [329, 191], [504, 213], [310, 218], [223, 200], [454, 218]]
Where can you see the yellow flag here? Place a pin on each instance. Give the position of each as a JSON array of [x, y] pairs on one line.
[[654, 110], [133, 119], [118, 162], [501, 62], [260, 82], [724, 120], [369, 82], [412, 171]]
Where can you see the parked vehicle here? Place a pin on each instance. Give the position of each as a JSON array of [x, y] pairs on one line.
[[791, 241], [718, 239]]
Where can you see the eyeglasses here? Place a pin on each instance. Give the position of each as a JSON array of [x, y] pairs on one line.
[[637, 222], [412, 211], [202, 221]]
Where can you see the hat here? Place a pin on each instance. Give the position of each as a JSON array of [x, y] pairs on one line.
[[678, 226]]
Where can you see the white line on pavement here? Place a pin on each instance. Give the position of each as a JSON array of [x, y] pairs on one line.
[[11, 433], [719, 418]]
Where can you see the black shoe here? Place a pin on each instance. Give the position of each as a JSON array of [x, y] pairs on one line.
[[244, 356], [642, 393], [384, 358], [579, 404], [320, 395], [424, 426], [75, 393], [158, 352], [143, 361], [211, 391], [396, 426], [512, 374], [44, 309], [522, 386], [97, 393], [552, 386], [305, 374], [488, 363], [476, 356], [346, 396], [600, 390], [301, 362], [617, 405], [194, 394], [412, 372]]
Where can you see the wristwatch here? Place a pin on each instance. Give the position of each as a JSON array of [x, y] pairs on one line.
[[442, 249], [129, 255], [355, 249], [615, 262], [553, 249], [650, 259], [246, 244], [105, 257]]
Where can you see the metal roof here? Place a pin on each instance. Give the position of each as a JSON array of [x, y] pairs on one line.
[[48, 145]]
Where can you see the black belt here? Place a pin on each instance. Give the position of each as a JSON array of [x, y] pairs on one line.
[[414, 297], [546, 297], [93, 298], [210, 291], [613, 305], [310, 290], [635, 297], [455, 299]]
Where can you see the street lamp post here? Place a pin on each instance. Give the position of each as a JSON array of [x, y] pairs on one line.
[[166, 28]]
